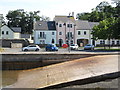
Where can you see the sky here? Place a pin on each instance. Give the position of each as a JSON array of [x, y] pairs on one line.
[[50, 8]]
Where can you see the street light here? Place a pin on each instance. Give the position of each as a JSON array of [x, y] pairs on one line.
[[69, 33]]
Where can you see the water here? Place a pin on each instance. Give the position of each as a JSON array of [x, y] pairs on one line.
[[9, 77]]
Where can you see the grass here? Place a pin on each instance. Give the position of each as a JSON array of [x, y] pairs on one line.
[[112, 49]]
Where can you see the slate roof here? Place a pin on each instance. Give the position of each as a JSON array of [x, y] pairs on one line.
[[45, 25], [16, 29], [25, 35], [85, 25], [82, 25], [64, 19], [92, 24]]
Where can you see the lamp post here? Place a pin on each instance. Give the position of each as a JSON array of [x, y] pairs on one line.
[[69, 34]]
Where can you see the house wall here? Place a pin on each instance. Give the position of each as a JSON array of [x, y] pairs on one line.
[[113, 42], [64, 29], [10, 34], [16, 35], [83, 36], [48, 36]]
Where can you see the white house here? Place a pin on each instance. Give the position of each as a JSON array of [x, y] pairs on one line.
[[44, 32], [10, 33]]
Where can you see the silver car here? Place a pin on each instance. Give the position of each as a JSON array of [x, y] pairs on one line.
[[89, 47], [31, 48]]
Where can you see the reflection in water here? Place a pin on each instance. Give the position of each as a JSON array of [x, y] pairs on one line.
[[9, 77]]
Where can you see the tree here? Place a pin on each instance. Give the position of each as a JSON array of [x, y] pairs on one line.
[[116, 29], [101, 12], [83, 16], [20, 18], [104, 30]]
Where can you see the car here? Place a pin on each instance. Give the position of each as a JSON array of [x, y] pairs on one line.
[[51, 47], [74, 47], [89, 47], [31, 48]]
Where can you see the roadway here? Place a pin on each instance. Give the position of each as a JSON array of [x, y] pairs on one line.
[[65, 72], [60, 51]]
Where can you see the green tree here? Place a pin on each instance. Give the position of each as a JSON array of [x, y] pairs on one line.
[[116, 28], [99, 13], [104, 30], [20, 18], [83, 16]]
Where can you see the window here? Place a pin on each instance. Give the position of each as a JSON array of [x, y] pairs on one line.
[[101, 42], [7, 32], [66, 41], [118, 42], [113, 42], [2, 32], [60, 25], [60, 33], [79, 33], [69, 34], [42, 41], [42, 35], [53, 33], [53, 41], [69, 25], [71, 41], [40, 24], [84, 32]]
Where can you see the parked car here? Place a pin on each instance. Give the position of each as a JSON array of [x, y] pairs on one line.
[[31, 48], [73, 46], [51, 47], [89, 47]]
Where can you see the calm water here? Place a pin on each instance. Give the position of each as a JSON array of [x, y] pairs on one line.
[[9, 77]]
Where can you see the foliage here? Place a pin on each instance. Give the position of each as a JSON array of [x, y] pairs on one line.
[[101, 12], [104, 30], [20, 18]]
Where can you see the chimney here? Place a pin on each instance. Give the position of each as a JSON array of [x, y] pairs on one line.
[[73, 14]]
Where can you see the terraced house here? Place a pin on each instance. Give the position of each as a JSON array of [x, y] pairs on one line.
[[45, 32], [67, 30]]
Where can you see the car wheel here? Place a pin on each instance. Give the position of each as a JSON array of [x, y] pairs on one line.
[[26, 50], [37, 50]]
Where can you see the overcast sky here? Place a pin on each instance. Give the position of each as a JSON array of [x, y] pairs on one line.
[[50, 8]]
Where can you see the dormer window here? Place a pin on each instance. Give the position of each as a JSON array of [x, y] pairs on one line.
[[40, 24]]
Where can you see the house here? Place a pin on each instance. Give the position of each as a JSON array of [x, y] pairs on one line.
[[83, 32], [28, 37], [44, 32], [66, 27], [10, 33]]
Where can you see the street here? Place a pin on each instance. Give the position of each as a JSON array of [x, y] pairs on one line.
[[61, 50]]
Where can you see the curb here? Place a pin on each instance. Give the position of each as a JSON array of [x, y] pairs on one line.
[[85, 81]]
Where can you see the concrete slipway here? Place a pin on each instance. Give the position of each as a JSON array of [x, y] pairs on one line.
[[90, 68]]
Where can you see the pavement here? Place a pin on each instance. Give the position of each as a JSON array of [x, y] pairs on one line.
[[66, 72]]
